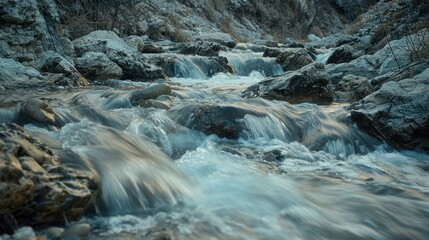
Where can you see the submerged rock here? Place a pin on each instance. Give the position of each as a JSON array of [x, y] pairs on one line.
[[76, 231], [34, 188], [309, 84], [151, 92], [398, 113], [36, 110]]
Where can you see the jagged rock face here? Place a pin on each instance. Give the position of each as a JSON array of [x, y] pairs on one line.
[[28, 28], [34, 187], [308, 84], [398, 113]]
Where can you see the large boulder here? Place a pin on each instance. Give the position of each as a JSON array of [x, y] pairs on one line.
[[131, 62], [341, 54], [222, 119], [352, 88], [13, 71], [34, 187], [396, 55], [308, 84], [52, 62], [209, 49], [294, 59], [97, 66], [398, 113]]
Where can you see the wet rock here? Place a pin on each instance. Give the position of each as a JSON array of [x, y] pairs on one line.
[[209, 49], [309, 84], [34, 188], [352, 88], [192, 66], [272, 52], [24, 233], [222, 119], [397, 113], [294, 59], [36, 110], [267, 43], [341, 54], [54, 63], [218, 37], [76, 231], [97, 66], [151, 92], [132, 63]]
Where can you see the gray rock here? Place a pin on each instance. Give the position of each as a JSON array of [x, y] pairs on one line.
[[294, 59], [308, 84], [54, 63], [36, 110], [152, 48], [11, 70], [24, 233], [381, 62], [341, 54], [219, 37], [29, 28], [135, 42], [151, 92], [210, 49], [352, 88], [39, 197], [97, 66], [397, 113], [334, 40], [291, 43], [54, 232], [131, 62], [79, 230]]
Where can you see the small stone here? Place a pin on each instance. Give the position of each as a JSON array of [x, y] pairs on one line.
[[54, 232], [76, 231], [24, 233]]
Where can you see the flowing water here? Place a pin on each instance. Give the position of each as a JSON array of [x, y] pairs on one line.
[[289, 171]]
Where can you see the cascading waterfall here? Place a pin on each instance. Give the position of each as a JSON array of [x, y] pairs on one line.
[[245, 63]]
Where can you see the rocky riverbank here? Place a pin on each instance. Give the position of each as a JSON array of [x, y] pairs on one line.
[[378, 67]]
